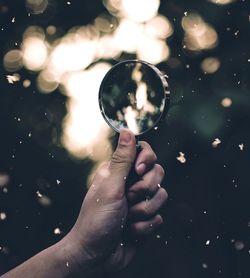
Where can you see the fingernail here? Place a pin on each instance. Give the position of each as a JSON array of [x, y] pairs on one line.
[[141, 168], [125, 137]]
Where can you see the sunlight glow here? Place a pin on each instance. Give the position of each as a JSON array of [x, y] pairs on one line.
[[84, 127], [140, 10], [73, 64], [35, 53]]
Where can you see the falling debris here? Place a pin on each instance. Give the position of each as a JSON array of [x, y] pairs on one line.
[[57, 231], [13, 78], [181, 157], [241, 146], [39, 195], [216, 142]]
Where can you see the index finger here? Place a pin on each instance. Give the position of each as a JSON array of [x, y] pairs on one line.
[[145, 159]]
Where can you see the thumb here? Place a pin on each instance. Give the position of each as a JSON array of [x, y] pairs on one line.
[[123, 157]]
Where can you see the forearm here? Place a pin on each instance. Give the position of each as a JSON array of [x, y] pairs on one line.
[[57, 261]]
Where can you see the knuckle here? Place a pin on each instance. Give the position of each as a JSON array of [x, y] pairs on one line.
[[146, 186], [153, 157], [160, 170], [146, 208], [136, 228], [118, 157], [148, 152], [163, 194]]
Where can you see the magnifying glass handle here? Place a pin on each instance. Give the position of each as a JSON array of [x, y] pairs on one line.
[[133, 177]]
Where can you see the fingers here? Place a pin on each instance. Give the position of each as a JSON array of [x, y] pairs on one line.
[[146, 158], [147, 209], [147, 227], [149, 184]]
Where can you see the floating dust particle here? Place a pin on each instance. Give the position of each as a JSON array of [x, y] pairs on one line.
[[67, 264], [207, 242], [3, 216], [57, 231], [181, 157], [5, 190], [204, 265], [241, 146], [158, 236], [68, 3], [216, 142], [39, 195], [13, 78], [226, 102], [98, 200], [13, 20], [121, 244], [237, 33], [30, 134], [58, 181]]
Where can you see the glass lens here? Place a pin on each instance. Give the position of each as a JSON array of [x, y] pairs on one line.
[[133, 95]]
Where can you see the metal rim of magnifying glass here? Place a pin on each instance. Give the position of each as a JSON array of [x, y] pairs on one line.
[[159, 74]]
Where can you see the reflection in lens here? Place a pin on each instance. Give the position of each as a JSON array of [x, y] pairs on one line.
[[133, 95]]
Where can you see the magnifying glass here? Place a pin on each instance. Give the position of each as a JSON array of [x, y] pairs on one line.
[[135, 95]]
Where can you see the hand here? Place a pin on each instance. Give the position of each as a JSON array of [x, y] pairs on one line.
[[98, 234]]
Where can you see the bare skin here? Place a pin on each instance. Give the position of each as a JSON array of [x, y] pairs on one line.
[[99, 240]]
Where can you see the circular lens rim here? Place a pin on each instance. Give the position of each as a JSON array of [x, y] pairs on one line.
[[159, 74]]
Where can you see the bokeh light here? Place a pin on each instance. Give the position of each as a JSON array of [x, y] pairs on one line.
[[13, 60], [139, 10], [36, 6], [210, 65], [84, 127], [199, 35], [222, 2]]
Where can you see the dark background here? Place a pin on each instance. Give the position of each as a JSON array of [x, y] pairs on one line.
[[208, 195]]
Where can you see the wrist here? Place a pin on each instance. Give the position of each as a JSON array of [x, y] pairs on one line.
[[72, 256]]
